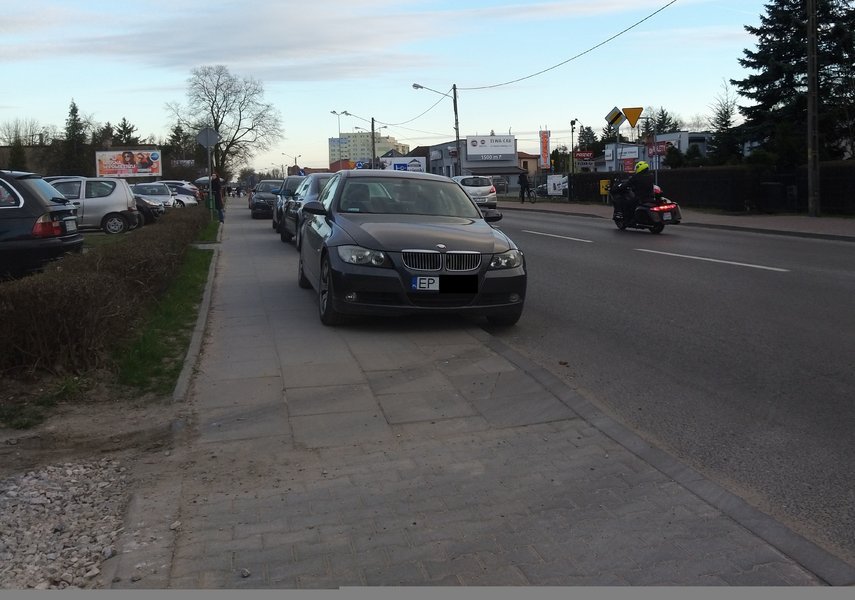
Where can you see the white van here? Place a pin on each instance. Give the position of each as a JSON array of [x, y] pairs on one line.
[[102, 202]]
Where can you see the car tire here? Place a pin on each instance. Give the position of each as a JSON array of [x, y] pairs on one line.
[[298, 238], [302, 280], [178, 204], [505, 319], [114, 223], [284, 235], [329, 315]]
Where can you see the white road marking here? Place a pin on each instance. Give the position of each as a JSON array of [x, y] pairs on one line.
[[563, 237], [715, 260]]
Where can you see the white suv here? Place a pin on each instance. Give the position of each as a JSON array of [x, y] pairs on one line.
[[102, 202]]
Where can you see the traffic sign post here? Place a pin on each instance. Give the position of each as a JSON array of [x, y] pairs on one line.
[[208, 137], [615, 119]]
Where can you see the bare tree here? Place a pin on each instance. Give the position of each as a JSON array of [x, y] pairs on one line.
[[29, 131], [235, 108]]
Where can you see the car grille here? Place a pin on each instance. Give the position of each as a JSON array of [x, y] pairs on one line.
[[430, 260]]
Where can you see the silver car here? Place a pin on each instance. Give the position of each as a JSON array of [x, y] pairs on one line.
[[479, 188], [157, 191]]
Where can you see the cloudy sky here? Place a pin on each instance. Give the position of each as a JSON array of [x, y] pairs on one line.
[[130, 59]]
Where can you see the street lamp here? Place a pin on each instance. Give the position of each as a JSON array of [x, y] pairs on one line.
[[338, 141], [294, 157], [373, 141], [417, 86]]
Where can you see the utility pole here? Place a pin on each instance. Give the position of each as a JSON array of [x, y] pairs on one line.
[[456, 129], [373, 146], [812, 114]]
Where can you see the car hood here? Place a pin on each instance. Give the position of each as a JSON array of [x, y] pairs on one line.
[[389, 233]]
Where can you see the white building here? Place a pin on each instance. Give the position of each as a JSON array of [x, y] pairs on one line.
[[356, 147]]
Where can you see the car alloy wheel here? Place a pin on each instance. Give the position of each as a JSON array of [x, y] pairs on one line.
[[328, 314], [114, 223]]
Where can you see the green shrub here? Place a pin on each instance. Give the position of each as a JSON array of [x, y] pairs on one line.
[[71, 317]]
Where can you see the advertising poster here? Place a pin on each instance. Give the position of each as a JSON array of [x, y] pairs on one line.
[[405, 163], [128, 163], [491, 147], [544, 149]]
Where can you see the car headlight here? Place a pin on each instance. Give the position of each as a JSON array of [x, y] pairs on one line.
[[357, 255], [506, 260]]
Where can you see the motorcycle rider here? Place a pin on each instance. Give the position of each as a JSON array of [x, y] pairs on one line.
[[640, 184]]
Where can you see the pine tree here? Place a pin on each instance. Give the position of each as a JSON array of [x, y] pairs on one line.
[[124, 134], [725, 147], [778, 85], [77, 157]]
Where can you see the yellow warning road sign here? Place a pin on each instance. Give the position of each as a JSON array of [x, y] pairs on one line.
[[632, 115]]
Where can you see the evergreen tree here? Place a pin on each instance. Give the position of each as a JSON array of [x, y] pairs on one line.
[[76, 156], [778, 85], [17, 155], [124, 135], [725, 146], [587, 138]]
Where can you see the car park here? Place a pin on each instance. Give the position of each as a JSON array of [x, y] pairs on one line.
[[157, 192], [292, 211], [105, 203], [37, 223], [263, 197], [398, 242], [286, 191], [479, 188]]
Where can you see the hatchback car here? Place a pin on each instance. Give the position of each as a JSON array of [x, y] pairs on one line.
[[156, 191], [292, 211], [37, 223], [480, 189], [264, 197], [398, 242], [283, 194], [105, 203]]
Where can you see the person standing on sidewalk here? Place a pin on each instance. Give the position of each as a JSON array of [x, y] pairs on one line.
[[217, 192], [524, 186]]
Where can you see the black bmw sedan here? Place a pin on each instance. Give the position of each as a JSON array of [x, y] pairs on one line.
[[397, 242]]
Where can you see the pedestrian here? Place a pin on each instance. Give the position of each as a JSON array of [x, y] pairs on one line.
[[217, 192], [524, 186]]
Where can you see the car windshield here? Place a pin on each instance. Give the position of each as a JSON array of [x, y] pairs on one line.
[[293, 184], [406, 196], [267, 186]]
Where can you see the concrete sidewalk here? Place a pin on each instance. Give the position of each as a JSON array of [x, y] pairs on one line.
[[416, 452]]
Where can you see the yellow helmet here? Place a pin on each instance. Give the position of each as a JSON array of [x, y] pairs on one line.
[[641, 166]]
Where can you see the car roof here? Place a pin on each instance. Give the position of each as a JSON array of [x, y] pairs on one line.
[[391, 174]]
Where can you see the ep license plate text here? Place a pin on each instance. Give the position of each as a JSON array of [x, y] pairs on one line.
[[425, 284]]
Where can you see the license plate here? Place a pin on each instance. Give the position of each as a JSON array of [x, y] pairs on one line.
[[425, 284], [71, 225], [666, 217]]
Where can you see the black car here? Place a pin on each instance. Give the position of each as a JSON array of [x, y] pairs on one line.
[[37, 223], [264, 197], [150, 211], [283, 194], [292, 209], [398, 242]]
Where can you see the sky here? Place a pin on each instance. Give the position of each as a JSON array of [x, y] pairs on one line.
[[129, 60]]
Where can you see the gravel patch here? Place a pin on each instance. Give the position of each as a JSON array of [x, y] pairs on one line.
[[59, 523]]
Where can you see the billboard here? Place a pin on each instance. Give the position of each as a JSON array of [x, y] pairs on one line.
[[128, 163], [491, 147], [405, 163], [544, 136]]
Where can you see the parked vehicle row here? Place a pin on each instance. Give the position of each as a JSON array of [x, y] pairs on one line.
[[285, 192], [37, 223], [102, 202]]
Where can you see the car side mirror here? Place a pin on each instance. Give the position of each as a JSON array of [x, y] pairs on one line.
[[315, 208], [491, 215]]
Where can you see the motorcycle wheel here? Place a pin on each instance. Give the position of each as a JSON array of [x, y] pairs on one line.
[[657, 228], [620, 223]]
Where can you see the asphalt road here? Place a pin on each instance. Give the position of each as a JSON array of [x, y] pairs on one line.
[[733, 351]]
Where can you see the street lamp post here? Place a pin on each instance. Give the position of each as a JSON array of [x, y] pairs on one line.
[[338, 141], [572, 162], [373, 140], [417, 86], [294, 157]]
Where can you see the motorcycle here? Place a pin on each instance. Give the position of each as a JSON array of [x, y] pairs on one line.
[[652, 215]]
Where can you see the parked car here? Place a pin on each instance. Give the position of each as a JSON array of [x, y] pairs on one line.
[[399, 242], [500, 182], [184, 188], [37, 223], [264, 197], [284, 193], [292, 209], [479, 188], [105, 203], [150, 210], [156, 191]]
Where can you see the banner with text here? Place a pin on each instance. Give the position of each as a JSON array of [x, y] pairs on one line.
[[491, 147]]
